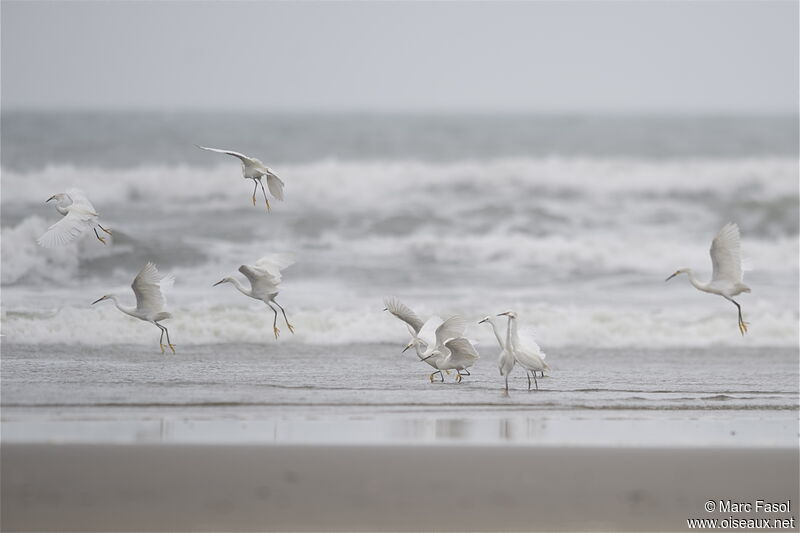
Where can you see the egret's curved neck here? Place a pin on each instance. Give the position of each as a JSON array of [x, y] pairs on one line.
[[497, 334], [509, 332], [127, 310], [696, 282], [242, 289]]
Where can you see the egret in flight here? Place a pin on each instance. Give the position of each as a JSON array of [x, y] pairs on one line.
[[255, 170], [526, 352], [505, 361], [149, 287], [79, 215], [726, 279], [265, 278], [432, 333]]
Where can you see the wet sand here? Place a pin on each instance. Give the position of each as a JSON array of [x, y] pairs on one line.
[[255, 488]]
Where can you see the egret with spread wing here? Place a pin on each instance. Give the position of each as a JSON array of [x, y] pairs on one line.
[[454, 354], [527, 353], [149, 287], [726, 279], [505, 361], [255, 170], [79, 215], [265, 278]]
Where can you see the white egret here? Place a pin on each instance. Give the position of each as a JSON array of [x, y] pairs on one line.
[[265, 278], [433, 333], [149, 287], [726, 279], [527, 353], [79, 216], [505, 361], [255, 170], [454, 354]]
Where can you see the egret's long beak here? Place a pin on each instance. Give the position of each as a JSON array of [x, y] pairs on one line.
[[217, 283], [385, 308], [409, 345], [99, 300], [51, 198], [484, 320], [503, 314], [672, 276]]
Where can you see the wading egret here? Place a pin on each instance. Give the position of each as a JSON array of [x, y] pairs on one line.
[[255, 170], [455, 354], [265, 278], [726, 279], [79, 216], [505, 361], [526, 352], [149, 287], [432, 333]]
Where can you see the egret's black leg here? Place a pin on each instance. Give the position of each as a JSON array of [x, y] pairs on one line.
[[99, 238], [275, 321], [255, 188], [284, 316], [466, 372], [742, 323], [169, 342], [528, 373], [161, 338], [506, 382], [264, 191], [536, 382], [104, 229]]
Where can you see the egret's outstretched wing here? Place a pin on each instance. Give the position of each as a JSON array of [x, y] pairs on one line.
[[451, 328], [404, 313], [265, 274], [147, 287], [428, 332], [66, 230], [726, 254], [275, 185], [243, 157], [461, 349]]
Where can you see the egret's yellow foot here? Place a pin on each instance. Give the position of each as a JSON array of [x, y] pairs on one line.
[[268, 209], [448, 372], [172, 347], [276, 331], [431, 376], [101, 239], [254, 199], [291, 328], [106, 230], [162, 347], [458, 378]]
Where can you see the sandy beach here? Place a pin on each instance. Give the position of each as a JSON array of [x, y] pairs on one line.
[[249, 488]]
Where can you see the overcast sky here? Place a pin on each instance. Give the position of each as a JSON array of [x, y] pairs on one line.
[[534, 56]]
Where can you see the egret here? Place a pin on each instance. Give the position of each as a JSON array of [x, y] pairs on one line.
[[433, 333], [79, 216], [454, 354], [726, 279], [505, 361], [265, 278], [255, 170], [526, 352], [149, 287]]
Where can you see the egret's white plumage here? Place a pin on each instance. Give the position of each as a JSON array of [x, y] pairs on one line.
[[265, 278], [148, 286], [79, 215], [505, 360], [526, 352], [726, 278], [455, 354], [255, 170]]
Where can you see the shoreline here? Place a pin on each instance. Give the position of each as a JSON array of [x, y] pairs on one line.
[[91, 487]]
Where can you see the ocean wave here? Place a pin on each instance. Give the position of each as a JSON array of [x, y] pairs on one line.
[[555, 327]]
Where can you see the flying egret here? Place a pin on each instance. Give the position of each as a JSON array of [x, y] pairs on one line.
[[454, 354], [505, 361], [149, 287], [255, 170], [265, 277], [79, 216], [432, 333], [726, 279], [527, 352]]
